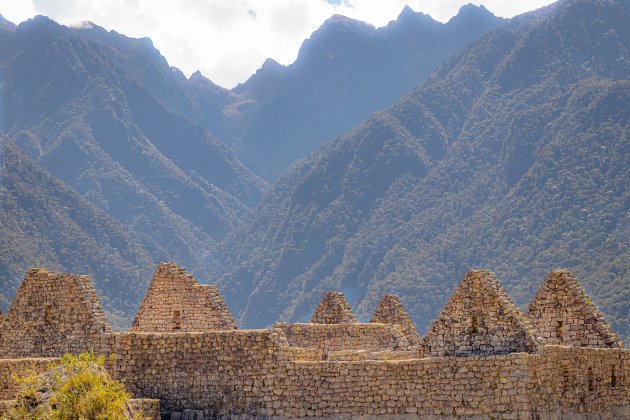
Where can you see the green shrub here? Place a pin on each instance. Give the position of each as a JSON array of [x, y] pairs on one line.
[[76, 387]]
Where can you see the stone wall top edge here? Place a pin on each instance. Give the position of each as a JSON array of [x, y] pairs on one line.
[[194, 333], [577, 349], [28, 359], [319, 325], [423, 360], [43, 271]]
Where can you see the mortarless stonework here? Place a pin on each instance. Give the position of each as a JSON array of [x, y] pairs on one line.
[[345, 337], [262, 373], [333, 309], [479, 319], [176, 302], [390, 310], [562, 313], [53, 314]]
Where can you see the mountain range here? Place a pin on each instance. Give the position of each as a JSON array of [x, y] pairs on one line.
[[109, 126], [383, 160], [81, 105], [514, 155], [345, 71]]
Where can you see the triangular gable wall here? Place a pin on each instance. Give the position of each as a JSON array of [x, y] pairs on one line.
[[562, 313], [333, 309], [175, 302], [53, 314], [479, 319], [390, 310]]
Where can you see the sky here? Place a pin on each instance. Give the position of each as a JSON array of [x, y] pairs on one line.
[[227, 40]]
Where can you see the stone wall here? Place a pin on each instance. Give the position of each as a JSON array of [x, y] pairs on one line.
[[247, 372], [334, 367], [144, 408], [53, 314], [176, 302], [562, 313], [497, 386], [390, 310], [479, 319], [226, 371], [370, 337], [333, 309], [580, 379]]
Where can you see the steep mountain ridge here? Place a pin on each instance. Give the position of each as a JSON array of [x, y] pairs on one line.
[[346, 70], [195, 98], [77, 108], [494, 167]]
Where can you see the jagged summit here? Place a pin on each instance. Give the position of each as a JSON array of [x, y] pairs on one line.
[[262, 83], [408, 16], [348, 22], [271, 65], [36, 26], [470, 14], [471, 10], [562, 313], [406, 11], [334, 27], [333, 309], [197, 76]]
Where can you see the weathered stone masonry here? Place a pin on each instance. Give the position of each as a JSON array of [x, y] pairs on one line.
[[53, 314], [176, 302], [484, 356], [390, 310], [479, 318], [562, 313]]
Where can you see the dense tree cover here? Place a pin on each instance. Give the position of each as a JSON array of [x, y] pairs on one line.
[[81, 105], [44, 223], [346, 70], [514, 156], [104, 118]]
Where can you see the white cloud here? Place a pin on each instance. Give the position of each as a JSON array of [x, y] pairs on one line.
[[229, 40], [16, 10]]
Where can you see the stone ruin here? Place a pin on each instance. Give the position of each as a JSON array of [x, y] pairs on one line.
[[480, 358], [53, 314], [333, 309], [176, 302], [389, 310], [480, 318], [562, 313]]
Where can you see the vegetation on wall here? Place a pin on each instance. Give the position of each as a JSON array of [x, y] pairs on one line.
[[76, 387]]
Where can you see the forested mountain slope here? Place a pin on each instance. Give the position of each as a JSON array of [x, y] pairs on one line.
[[79, 105], [514, 155], [44, 223], [346, 70], [104, 117]]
